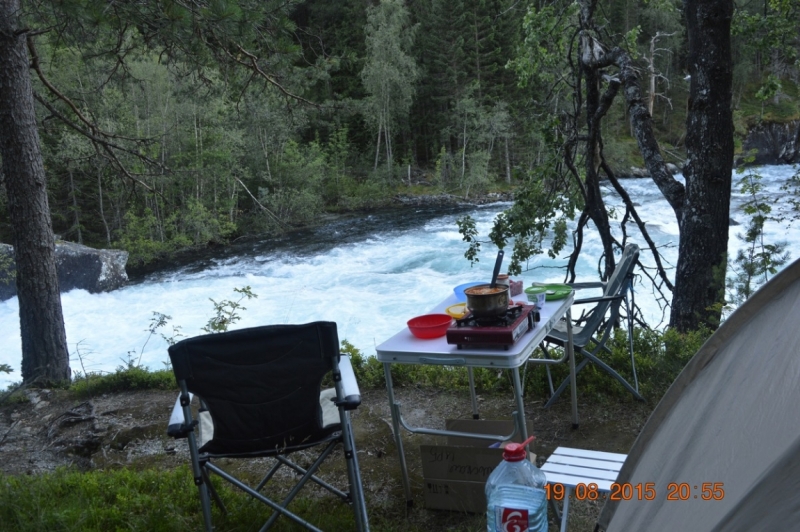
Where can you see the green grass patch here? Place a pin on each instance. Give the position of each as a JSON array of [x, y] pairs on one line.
[[152, 500], [125, 378]]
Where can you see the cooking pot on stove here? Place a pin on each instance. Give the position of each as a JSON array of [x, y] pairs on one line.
[[487, 301]]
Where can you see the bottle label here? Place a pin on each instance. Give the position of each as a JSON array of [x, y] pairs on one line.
[[512, 519]]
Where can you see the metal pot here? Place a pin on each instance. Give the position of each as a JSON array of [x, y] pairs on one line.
[[486, 301]]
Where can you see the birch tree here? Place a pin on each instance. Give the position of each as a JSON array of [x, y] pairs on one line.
[[389, 73]]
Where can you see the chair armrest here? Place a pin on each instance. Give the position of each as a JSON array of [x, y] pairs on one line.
[[352, 395], [598, 299], [593, 284], [177, 424]]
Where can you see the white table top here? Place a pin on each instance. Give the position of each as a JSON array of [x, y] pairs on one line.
[[405, 348]]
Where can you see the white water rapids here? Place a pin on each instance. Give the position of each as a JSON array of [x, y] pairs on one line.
[[370, 283]]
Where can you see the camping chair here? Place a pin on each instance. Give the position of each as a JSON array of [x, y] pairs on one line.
[[259, 391], [590, 338]]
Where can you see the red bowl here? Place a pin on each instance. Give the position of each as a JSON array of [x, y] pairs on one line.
[[430, 325]]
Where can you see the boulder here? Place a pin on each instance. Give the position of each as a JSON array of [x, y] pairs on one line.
[[94, 270], [639, 172], [773, 143]]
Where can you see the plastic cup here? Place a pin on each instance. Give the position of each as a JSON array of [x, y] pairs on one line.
[[536, 295]]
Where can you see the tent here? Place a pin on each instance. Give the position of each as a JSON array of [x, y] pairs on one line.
[[724, 442]]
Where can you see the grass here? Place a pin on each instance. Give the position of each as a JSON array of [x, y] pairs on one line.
[[124, 499], [146, 496]]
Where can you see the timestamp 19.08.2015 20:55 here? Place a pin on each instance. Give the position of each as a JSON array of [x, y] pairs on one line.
[[676, 491]]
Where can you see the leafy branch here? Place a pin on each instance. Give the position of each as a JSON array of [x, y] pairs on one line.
[[227, 311]]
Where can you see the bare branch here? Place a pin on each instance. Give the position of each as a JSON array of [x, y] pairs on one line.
[[90, 124], [640, 224], [269, 212], [94, 138]]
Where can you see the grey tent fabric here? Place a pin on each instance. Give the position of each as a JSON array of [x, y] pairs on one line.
[[732, 417]]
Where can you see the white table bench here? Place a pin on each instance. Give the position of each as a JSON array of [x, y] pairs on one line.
[[571, 467]]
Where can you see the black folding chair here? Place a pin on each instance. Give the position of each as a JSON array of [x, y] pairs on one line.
[[591, 336], [260, 396]]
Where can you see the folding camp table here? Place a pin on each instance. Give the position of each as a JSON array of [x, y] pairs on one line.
[[405, 348]]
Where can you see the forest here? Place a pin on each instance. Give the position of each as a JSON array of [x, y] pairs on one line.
[[165, 127]]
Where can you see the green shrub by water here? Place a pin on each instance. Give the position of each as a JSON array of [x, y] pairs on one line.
[[660, 357], [125, 378]]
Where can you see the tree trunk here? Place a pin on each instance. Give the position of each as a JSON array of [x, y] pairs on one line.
[[702, 252], [508, 165], [595, 207], [45, 359]]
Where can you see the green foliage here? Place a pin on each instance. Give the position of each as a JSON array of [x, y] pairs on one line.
[[145, 240], [157, 500], [630, 39], [792, 187], [226, 312], [542, 56], [126, 378], [5, 368], [160, 320], [429, 73], [536, 221], [759, 259], [660, 357]]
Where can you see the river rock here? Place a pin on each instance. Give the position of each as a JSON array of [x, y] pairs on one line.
[[639, 172], [773, 143], [94, 270]]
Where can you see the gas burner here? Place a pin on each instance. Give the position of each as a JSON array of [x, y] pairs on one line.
[[504, 320], [500, 331]]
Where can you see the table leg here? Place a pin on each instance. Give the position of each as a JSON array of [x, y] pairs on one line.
[[472, 396], [565, 512], [523, 427], [398, 439], [570, 347]]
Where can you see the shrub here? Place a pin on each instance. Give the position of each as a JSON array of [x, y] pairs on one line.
[[125, 378]]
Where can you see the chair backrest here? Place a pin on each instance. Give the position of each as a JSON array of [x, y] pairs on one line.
[[616, 284], [261, 385]]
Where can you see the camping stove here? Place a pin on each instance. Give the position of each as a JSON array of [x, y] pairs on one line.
[[500, 331]]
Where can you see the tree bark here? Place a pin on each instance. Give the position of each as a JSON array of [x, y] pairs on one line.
[[45, 359], [702, 252]]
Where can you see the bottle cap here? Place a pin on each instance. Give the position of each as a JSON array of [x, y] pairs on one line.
[[514, 452]]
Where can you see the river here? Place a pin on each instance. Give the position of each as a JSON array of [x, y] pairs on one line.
[[368, 273]]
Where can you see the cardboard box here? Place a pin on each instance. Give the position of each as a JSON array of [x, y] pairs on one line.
[[455, 474]]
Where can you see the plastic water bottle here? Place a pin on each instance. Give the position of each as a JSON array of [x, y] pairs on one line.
[[515, 493]]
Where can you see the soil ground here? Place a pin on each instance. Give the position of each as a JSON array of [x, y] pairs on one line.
[[54, 429]]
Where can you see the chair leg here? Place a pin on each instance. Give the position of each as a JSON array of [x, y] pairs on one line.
[[296, 489], [199, 474], [565, 383], [314, 478], [354, 474], [614, 374], [547, 369], [214, 495], [205, 503], [256, 495], [472, 395], [590, 357]]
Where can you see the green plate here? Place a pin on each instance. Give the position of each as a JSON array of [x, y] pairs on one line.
[[555, 291]]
